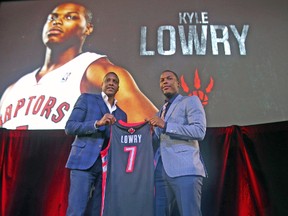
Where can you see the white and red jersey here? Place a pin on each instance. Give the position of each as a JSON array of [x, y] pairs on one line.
[[46, 104]]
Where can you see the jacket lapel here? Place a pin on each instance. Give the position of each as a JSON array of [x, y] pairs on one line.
[[103, 107], [172, 106]]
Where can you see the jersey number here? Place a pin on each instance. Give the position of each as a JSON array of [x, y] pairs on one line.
[[131, 157]]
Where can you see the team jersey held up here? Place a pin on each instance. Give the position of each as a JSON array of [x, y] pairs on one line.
[[130, 168]]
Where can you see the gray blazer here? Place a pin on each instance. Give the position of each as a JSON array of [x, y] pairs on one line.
[[179, 147]]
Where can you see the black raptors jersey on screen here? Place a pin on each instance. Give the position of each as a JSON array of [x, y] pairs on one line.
[[129, 184]]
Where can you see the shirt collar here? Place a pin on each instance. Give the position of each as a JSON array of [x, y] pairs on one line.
[[105, 98], [170, 100]]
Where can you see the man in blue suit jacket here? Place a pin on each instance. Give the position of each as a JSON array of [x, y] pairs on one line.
[[179, 167], [90, 121]]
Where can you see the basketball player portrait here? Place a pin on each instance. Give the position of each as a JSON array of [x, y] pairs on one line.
[[44, 98]]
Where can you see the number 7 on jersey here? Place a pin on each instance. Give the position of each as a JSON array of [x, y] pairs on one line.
[[131, 157]]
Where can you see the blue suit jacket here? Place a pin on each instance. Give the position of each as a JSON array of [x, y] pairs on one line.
[[89, 140], [179, 147]]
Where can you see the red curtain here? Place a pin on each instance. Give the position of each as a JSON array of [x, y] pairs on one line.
[[33, 178], [248, 170], [247, 167]]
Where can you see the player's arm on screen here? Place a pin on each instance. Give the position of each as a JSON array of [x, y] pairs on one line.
[[137, 106]]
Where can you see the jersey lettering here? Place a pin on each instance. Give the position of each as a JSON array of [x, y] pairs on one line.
[[38, 104], [35, 106], [20, 104], [131, 138], [29, 104], [48, 106], [8, 113], [62, 106]]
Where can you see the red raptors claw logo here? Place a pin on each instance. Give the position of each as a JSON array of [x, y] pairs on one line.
[[131, 130], [197, 84]]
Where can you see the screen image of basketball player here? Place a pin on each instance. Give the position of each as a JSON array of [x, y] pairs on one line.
[[231, 54]]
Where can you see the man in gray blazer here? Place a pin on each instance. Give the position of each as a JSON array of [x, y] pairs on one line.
[[179, 168]]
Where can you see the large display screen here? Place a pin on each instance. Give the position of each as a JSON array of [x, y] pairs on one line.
[[232, 54]]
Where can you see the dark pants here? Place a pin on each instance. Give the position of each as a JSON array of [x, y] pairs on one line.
[[185, 190], [85, 193]]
